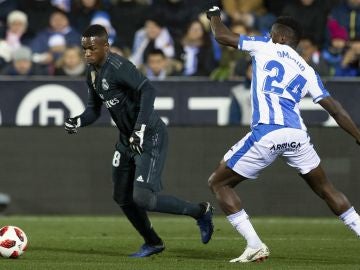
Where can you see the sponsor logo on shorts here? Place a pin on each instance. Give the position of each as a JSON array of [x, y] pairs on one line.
[[283, 147], [140, 179]]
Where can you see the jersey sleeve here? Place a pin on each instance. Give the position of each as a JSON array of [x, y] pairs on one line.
[[93, 107], [134, 79], [316, 88], [252, 43]]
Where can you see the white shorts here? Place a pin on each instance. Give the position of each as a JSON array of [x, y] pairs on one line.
[[265, 143]]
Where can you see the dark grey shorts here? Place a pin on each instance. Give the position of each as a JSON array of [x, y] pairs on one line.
[[130, 169]]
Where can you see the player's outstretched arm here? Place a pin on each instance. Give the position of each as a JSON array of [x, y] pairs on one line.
[[335, 109], [222, 34], [89, 116]]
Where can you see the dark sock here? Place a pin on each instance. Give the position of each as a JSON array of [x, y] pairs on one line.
[[142, 224], [172, 205]]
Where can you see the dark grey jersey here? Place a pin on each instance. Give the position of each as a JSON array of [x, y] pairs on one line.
[[126, 93]]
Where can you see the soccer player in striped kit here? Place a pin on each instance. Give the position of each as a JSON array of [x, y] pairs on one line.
[[281, 78]]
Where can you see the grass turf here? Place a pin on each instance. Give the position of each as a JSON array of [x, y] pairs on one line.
[[104, 243]]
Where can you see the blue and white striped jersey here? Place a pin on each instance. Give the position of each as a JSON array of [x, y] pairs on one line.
[[281, 77]]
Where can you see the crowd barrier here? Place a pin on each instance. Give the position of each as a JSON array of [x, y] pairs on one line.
[[46, 101]]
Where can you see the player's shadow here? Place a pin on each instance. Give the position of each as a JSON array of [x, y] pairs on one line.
[[180, 253], [217, 255], [80, 251]]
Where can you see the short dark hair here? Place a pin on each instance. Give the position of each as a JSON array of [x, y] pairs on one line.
[[153, 52], [96, 30], [292, 24], [158, 20], [157, 51]]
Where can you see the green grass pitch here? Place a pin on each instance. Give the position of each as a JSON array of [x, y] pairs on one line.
[[104, 243]]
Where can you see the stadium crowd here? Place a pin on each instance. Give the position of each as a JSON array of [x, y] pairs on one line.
[[171, 37]]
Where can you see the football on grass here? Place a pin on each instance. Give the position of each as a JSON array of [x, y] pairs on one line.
[[13, 242]]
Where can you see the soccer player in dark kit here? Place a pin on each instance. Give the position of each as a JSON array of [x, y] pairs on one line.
[[141, 149]]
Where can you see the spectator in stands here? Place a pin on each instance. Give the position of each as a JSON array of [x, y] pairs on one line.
[[127, 16], [276, 6], [158, 67], [312, 16], [176, 14], [333, 54], [22, 64], [240, 106], [82, 11], [58, 25], [252, 13], [350, 64], [233, 63], [242, 10], [347, 13], [308, 50], [3, 63], [57, 46], [102, 18], [71, 63], [38, 12], [6, 6], [195, 51], [64, 5], [154, 35], [15, 35]]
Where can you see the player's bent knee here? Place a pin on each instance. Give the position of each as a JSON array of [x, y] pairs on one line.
[[122, 198], [216, 183], [211, 182], [144, 198], [121, 201]]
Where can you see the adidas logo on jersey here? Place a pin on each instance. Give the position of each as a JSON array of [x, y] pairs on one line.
[[140, 179]]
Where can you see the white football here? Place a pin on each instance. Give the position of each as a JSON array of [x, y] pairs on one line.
[[13, 242]]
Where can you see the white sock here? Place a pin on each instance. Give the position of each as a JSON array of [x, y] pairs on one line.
[[242, 224], [352, 220]]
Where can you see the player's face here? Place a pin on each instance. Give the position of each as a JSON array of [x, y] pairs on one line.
[[277, 36], [274, 34], [95, 50], [156, 63]]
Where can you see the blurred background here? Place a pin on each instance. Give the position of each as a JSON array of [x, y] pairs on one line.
[[203, 96]]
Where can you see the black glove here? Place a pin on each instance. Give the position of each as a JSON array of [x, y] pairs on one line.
[[214, 11], [137, 139], [71, 125], [358, 142]]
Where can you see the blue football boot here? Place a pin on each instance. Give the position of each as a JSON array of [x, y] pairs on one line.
[[205, 223], [147, 250]]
